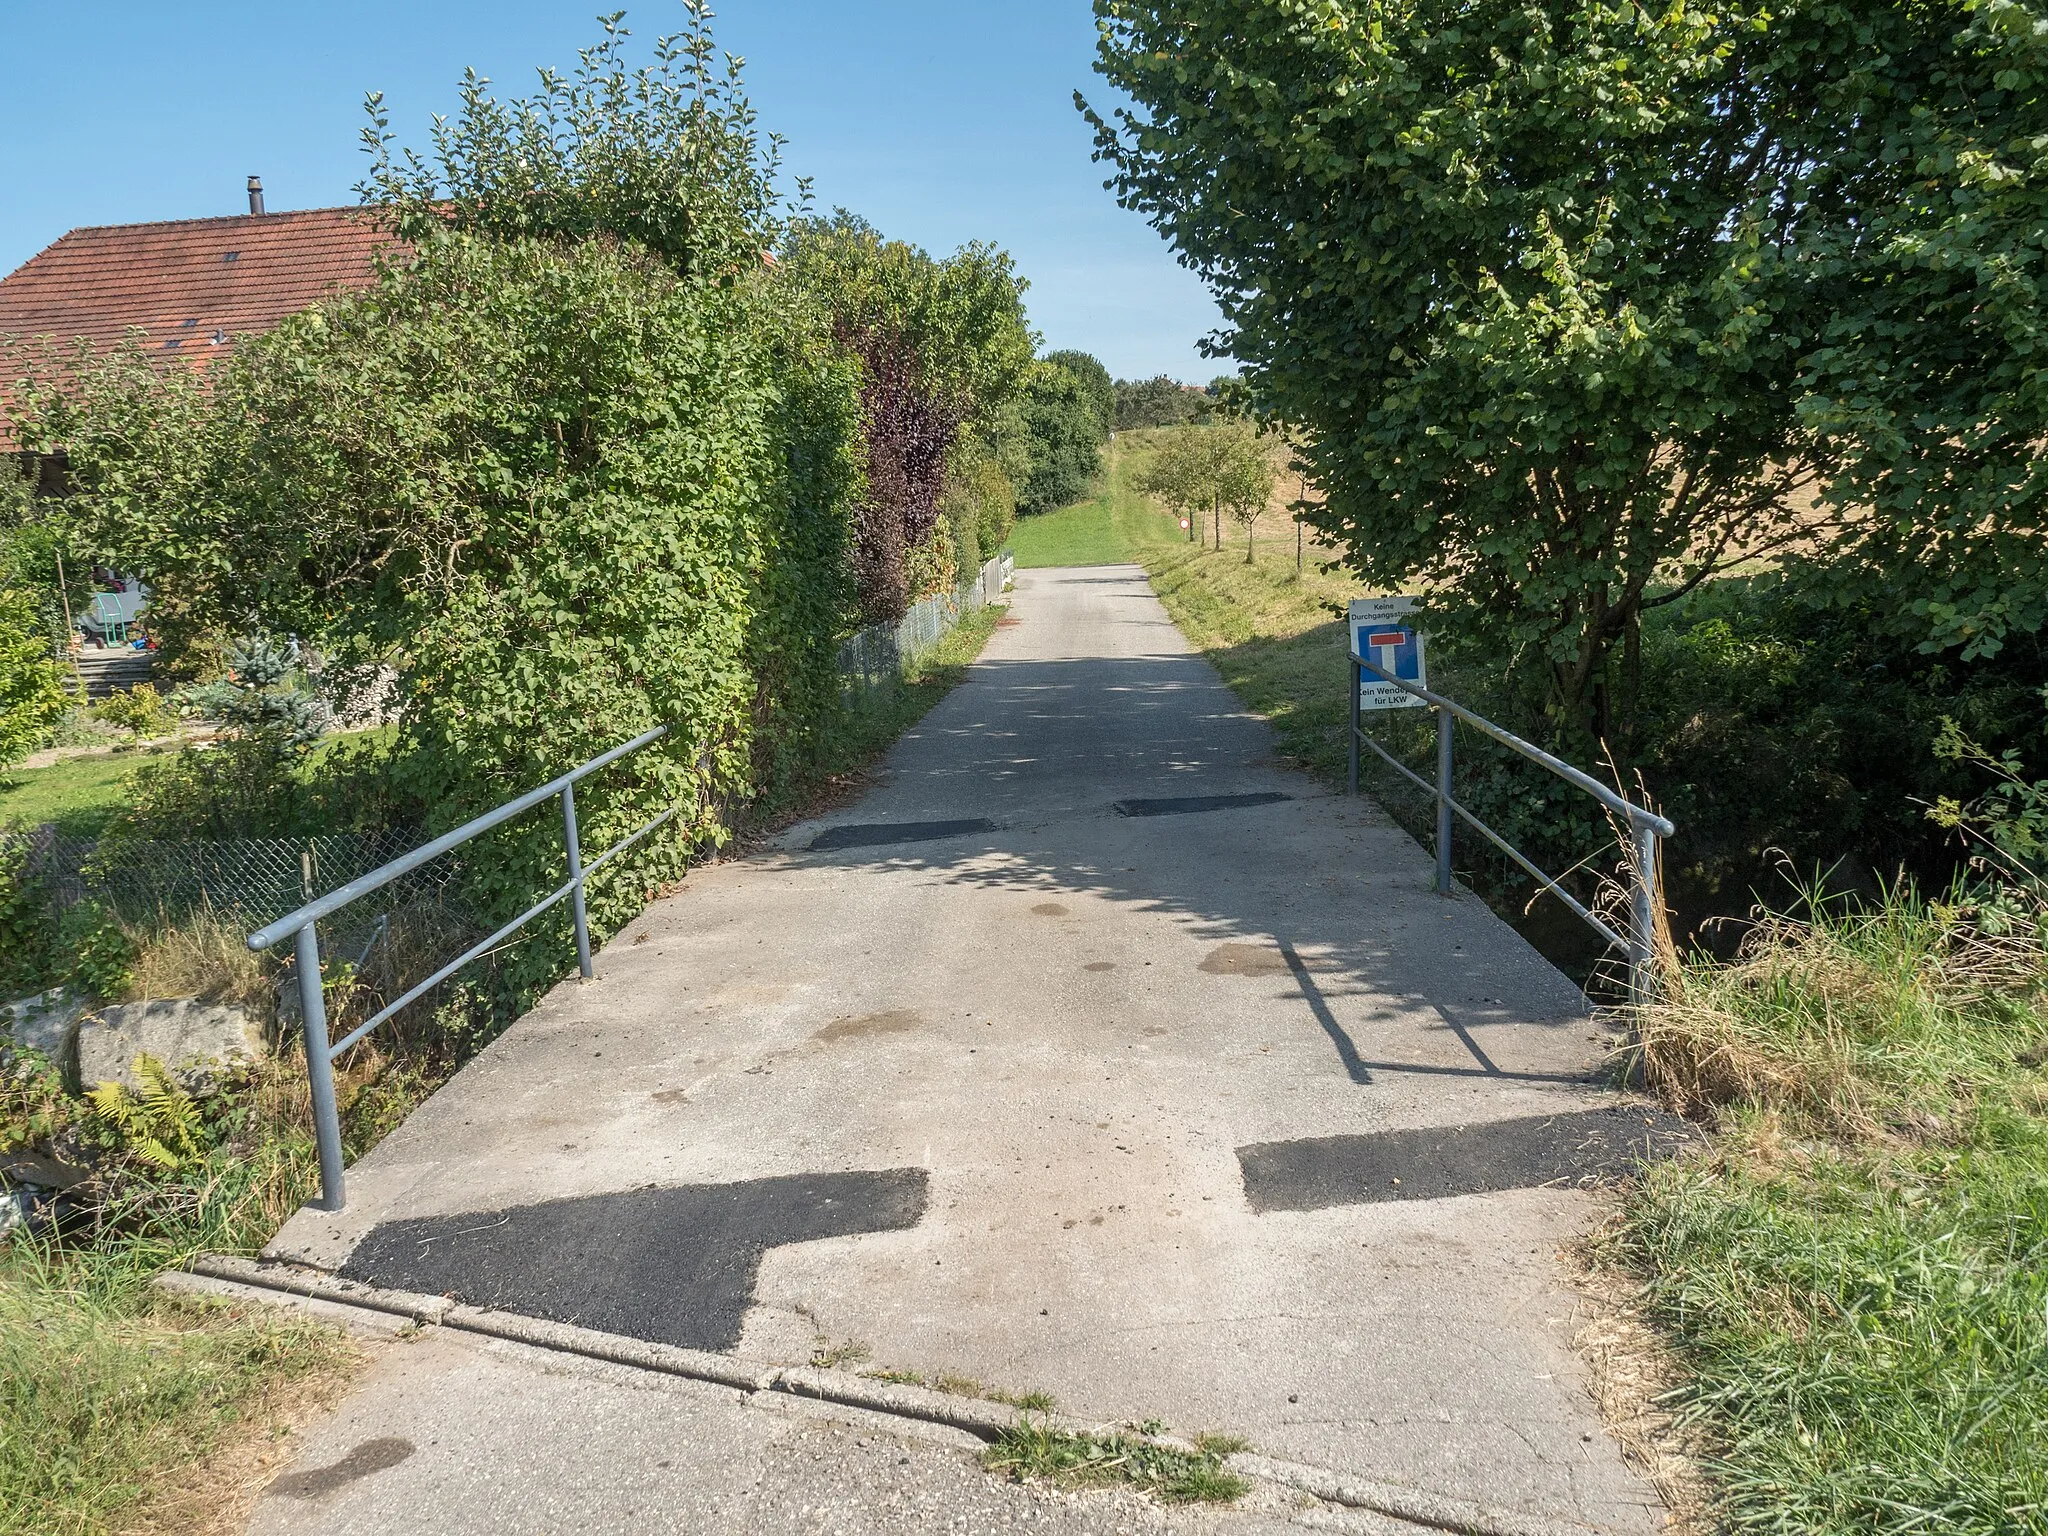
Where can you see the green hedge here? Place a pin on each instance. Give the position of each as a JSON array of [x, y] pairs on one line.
[[565, 492]]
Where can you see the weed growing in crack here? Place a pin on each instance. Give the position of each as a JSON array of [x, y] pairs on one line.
[[826, 1355], [1030, 1402], [896, 1378], [1034, 1450]]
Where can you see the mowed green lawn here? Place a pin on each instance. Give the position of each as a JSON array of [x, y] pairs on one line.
[[1110, 528], [80, 794], [1083, 534]]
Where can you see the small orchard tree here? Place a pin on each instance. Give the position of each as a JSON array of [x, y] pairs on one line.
[[1243, 469], [1178, 477], [1223, 470]]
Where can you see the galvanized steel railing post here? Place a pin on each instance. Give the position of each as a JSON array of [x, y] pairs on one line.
[[1357, 679], [320, 1070], [1642, 967], [576, 904], [1444, 722], [1635, 936], [301, 927]]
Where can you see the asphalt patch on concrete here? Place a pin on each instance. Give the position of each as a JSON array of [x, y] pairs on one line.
[[671, 1266], [1183, 805], [1585, 1148], [881, 833]]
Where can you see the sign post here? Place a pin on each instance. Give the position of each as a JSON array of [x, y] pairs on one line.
[[1381, 633]]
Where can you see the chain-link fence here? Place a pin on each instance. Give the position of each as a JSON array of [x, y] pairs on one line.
[[880, 653], [256, 878], [413, 924]]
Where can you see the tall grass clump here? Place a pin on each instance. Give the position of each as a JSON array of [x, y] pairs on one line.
[[108, 1386], [105, 1387], [1856, 1275]]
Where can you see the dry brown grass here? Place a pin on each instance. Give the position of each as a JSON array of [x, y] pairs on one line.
[[216, 1494], [201, 956], [1859, 1025], [1633, 1374]]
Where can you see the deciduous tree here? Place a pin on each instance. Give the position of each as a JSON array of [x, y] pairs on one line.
[[943, 349], [1095, 383], [1576, 305], [1158, 402], [1064, 437], [668, 156], [1222, 470]]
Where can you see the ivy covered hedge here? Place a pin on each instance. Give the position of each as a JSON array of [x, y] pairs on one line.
[[562, 492]]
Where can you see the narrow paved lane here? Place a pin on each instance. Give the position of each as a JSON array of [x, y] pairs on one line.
[[1092, 1053]]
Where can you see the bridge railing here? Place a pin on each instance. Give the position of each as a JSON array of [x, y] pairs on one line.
[[1646, 829], [302, 926]]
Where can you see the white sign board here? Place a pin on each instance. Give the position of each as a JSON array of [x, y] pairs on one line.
[[1381, 633]]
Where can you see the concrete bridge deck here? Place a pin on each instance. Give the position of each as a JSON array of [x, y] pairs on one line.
[[1092, 1052]]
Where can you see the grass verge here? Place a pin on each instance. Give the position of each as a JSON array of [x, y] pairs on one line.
[[1087, 533], [1855, 1277], [1078, 1460], [110, 1392]]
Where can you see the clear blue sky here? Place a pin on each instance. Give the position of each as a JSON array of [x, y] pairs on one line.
[[941, 121]]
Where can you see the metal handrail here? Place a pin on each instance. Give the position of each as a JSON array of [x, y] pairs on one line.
[[304, 926], [1647, 828]]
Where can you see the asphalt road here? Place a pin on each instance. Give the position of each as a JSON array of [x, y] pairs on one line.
[[1108, 1027]]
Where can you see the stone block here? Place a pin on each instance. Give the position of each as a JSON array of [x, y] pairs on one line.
[[47, 1023], [196, 1041]]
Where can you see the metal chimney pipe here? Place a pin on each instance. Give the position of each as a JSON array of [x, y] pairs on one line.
[[255, 194]]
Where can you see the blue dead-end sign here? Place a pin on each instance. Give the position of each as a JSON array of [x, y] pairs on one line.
[[1381, 633]]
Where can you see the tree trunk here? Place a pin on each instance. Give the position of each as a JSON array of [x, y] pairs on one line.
[[1631, 684]]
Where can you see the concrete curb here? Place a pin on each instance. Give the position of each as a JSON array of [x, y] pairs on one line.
[[1408, 1504], [669, 1359], [317, 1285], [984, 1420]]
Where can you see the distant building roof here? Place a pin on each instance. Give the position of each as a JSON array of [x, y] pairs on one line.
[[190, 285]]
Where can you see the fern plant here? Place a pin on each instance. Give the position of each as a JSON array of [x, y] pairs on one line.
[[158, 1123]]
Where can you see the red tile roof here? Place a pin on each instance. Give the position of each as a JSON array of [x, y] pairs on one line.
[[192, 285]]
